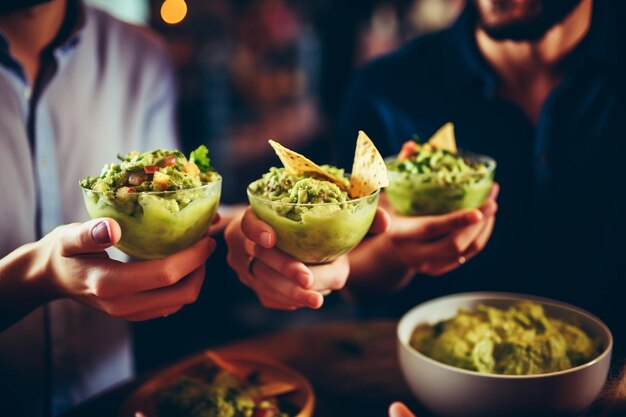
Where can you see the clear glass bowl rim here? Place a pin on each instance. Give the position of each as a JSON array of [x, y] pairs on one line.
[[284, 204], [487, 160], [169, 192]]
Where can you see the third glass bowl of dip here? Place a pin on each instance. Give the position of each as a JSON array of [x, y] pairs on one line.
[[419, 189]]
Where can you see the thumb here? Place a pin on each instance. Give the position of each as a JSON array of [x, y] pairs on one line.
[[398, 409], [90, 237], [381, 222], [257, 230]]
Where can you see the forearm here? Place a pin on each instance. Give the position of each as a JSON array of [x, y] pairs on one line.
[[376, 268], [21, 284]]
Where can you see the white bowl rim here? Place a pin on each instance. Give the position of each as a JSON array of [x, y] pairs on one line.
[[490, 296]]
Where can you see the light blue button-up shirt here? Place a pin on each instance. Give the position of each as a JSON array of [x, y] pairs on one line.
[[112, 92]]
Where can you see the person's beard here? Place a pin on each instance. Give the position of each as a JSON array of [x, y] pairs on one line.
[[10, 6], [531, 24]]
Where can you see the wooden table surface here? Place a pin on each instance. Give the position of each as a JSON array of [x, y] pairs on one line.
[[353, 368]]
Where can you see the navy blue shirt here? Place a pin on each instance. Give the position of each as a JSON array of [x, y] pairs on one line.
[[561, 226]]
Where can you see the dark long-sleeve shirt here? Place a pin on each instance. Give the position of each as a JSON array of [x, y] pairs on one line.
[[561, 226]]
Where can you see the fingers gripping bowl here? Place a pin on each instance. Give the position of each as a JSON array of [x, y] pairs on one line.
[[163, 202], [453, 391]]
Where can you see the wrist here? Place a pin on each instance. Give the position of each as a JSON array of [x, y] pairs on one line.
[[376, 268], [39, 276], [24, 282]]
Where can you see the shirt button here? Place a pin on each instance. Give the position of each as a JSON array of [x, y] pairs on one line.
[[27, 93], [543, 158]]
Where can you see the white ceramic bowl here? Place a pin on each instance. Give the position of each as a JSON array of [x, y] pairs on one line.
[[450, 391]]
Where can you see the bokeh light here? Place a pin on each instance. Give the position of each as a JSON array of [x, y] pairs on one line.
[[173, 11]]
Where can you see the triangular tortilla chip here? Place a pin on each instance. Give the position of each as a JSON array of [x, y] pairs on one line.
[[369, 172], [296, 164], [444, 138]]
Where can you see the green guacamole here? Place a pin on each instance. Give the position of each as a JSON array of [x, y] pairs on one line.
[[315, 221], [216, 393], [163, 201], [521, 340], [428, 181]]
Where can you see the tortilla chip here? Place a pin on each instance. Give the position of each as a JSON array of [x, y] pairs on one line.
[[296, 164], [369, 172], [444, 138]]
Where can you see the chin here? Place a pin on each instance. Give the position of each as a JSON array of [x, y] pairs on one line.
[[521, 20], [501, 13]]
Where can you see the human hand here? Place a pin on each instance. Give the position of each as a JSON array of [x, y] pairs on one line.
[[398, 409], [75, 265], [279, 280], [435, 245], [431, 245]]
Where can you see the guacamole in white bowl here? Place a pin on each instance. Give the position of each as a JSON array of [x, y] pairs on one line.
[[518, 340]]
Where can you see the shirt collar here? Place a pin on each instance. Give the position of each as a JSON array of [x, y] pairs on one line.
[[67, 39], [466, 67], [5, 55], [73, 25]]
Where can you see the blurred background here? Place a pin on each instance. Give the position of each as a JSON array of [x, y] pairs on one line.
[[249, 71]]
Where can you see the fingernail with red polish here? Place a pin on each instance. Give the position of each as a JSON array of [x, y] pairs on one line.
[[101, 234]]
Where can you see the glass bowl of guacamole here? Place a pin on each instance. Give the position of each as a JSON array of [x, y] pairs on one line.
[[163, 201], [426, 180], [315, 220], [494, 354]]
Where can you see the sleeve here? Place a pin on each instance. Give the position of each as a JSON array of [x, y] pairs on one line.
[[361, 111]]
